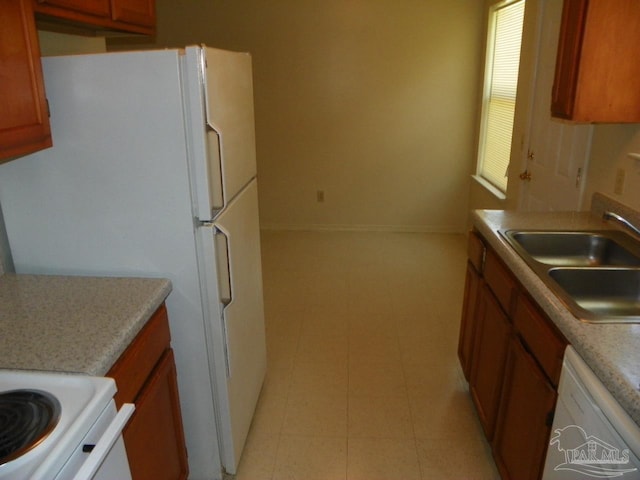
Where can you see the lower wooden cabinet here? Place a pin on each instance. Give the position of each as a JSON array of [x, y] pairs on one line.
[[153, 439], [526, 412], [146, 376], [515, 363], [490, 352], [468, 323]]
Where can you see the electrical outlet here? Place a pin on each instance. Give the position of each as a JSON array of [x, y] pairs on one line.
[[320, 196], [618, 186]]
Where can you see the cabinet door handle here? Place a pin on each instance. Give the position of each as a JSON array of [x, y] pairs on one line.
[[549, 420]]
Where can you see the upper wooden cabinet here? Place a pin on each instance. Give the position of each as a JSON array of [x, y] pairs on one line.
[[597, 75], [136, 16], [24, 122], [138, 12]]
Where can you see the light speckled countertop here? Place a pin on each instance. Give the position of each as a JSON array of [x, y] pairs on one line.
[[612, 350], [73, 324]]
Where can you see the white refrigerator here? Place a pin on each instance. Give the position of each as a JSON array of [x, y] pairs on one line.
[[153, 173]]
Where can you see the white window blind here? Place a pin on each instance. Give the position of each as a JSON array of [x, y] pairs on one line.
[[500, 86]]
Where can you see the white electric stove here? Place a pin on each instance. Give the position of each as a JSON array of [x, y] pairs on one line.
[[60, 426]]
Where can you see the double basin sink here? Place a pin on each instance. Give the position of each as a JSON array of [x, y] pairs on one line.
[[595, 273]]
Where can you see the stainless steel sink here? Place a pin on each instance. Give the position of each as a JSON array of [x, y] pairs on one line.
[[574, 248], [601, 294], [595, 273]]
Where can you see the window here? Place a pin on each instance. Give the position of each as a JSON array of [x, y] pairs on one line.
[[500, 86]]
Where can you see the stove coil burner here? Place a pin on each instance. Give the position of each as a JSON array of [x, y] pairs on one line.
[[26, 418]]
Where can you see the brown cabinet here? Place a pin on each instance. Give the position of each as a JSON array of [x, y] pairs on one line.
[[597, 75], [526, 411], [515, 367], [476, 253], [145, 375], [489, 357], [99, 8], [468, 323], [24, 122], [135, 16], [137, 12]]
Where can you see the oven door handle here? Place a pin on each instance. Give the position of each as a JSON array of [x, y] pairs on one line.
[[106, 442]]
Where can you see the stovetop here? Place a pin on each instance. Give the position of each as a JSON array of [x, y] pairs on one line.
[[81, 399], [26, 418]]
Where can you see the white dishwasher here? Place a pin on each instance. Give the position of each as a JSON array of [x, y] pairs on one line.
[[592, 436]]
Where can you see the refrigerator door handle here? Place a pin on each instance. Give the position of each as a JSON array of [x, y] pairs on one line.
[[225, 292], [214, 163], [223, 263], [214, 146]]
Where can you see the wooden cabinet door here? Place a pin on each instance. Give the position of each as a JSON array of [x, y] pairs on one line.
[[489, 356], [100, 8], [526, 412], [24, 117], [153, 437], [597, 72], [468, 322], [137, 12]]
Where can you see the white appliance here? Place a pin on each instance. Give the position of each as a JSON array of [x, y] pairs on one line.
[[592, 436], [82, 434], [153, 173]]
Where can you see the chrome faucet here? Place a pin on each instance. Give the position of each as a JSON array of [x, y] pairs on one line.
[[622, 220]]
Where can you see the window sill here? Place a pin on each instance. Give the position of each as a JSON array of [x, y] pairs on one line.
[[499, 194]]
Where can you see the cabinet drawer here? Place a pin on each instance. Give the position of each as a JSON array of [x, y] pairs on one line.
[[502, 284], [136, 363], [540, 337], [476, 251]]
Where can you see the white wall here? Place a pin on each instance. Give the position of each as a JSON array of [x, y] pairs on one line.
[[50, 44], [373, 102], [609, 149]]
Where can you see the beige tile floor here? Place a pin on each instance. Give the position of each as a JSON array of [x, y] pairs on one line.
[[363, 381]]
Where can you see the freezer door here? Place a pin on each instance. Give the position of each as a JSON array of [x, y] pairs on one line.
[[239, 331], [229, 113], [221, 135]]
